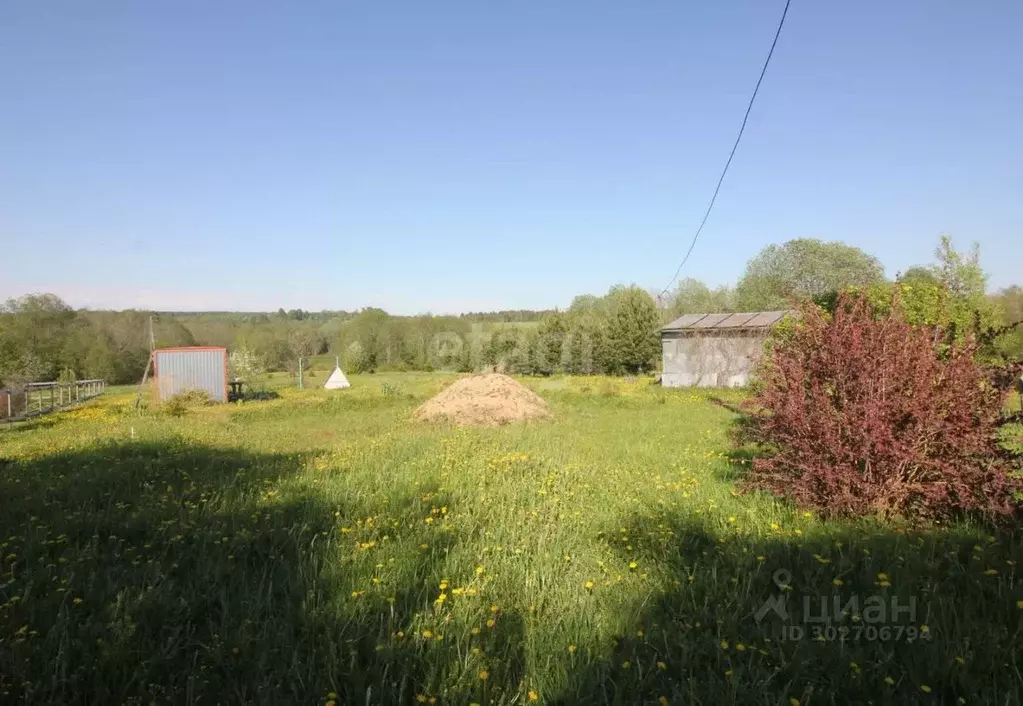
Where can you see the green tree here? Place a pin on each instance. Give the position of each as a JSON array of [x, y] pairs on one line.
[[803, 269], [550, 343], [632, 343], [692, 296]]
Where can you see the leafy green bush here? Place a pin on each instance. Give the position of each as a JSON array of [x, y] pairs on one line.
[[178, 405]]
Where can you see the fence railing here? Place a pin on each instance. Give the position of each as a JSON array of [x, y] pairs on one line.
[[35, 398]]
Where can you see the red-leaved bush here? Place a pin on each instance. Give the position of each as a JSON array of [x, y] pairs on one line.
[[861, 414]]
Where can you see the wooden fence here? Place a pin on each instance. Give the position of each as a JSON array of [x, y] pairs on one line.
[[35, 398]]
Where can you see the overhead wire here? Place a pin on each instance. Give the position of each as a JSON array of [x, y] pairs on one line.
[[735, 146]]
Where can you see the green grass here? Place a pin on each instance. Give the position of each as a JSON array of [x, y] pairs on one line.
[[283, 551]]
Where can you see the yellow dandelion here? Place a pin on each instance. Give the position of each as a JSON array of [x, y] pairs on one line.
[[837, 582], [728, 672], [793, 701], [332, 695], [731, 519], [533, 696], [479, 570], [427, 634], [633, 565], [571, 649], [882, 576], [588, 585], [491, 623], [662, 666], [494, 608], [77, 601], [484, 675], [724, 644], [740, 647], [924, 688], [444, 585]]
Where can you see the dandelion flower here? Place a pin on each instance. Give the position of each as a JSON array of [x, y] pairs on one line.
[[793, 701], [588, 585], [427, 634], [837, 582], [484, 675], [724, 644], [533, 696], [491, 623], [571, 649], [633, 565], [924, 688], [662, 666], [728, 672], [740, 647]]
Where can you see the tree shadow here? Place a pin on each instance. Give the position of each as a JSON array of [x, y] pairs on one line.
[[178, 573], [865, 615]]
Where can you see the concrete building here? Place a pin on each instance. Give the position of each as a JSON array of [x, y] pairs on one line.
[[193, 368], [714, 350]]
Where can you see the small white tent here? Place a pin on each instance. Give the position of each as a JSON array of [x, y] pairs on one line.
[[337, 379]]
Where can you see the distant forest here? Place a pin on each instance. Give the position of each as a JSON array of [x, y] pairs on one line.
[[43, 338]]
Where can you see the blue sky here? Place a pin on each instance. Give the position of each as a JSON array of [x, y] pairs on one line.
[[451, 156]]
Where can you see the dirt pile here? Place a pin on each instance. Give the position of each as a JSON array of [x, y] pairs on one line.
[[490, 399]]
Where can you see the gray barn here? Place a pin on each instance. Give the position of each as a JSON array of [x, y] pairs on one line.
[[714, 350]]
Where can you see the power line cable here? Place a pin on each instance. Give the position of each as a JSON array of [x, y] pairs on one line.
[[731, 154]]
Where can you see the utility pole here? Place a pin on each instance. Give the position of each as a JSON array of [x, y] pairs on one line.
[[149, 363]]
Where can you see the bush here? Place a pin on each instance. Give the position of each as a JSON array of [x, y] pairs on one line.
[[177, 405], [862, 414]]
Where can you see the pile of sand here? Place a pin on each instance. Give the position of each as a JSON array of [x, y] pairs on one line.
[[490, 399]]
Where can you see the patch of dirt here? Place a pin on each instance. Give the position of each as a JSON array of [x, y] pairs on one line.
[[489, 399]]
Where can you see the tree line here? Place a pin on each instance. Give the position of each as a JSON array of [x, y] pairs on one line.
[[43, 338]]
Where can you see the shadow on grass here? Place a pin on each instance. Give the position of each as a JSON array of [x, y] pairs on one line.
[[183, 574], [824, 619]]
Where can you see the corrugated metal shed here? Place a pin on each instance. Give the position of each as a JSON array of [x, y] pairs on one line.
[[194, 368], [755, 319]]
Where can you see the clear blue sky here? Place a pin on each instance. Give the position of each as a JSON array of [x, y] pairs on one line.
[[445, 156]]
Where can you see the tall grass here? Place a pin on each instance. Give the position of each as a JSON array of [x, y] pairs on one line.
[[323, 547]]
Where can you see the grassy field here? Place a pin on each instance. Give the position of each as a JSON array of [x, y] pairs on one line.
[[324, 547]]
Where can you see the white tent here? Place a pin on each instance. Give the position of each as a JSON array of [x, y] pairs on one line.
[[337, 379]]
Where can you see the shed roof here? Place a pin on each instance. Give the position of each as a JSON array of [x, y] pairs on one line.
[[746, 320]]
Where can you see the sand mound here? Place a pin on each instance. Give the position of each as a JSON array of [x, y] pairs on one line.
[[490, 399]]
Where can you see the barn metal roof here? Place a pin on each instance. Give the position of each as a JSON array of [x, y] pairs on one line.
[[754, 319]]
